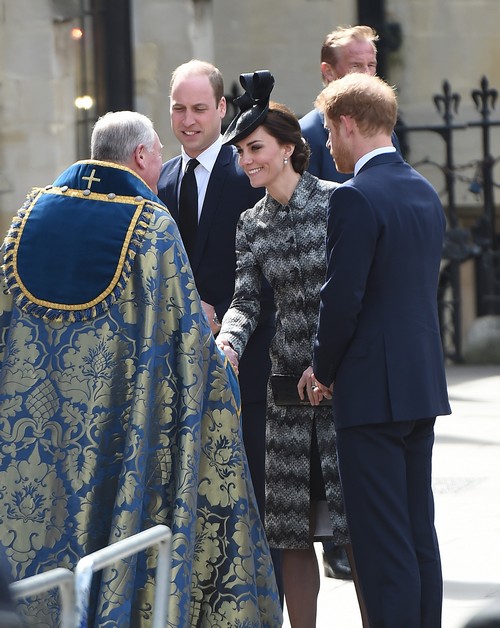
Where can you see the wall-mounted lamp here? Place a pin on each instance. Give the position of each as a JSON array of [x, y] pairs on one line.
[[76, 33], [84, 102]]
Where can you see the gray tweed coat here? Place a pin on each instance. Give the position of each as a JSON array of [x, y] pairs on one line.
[[286, 244]]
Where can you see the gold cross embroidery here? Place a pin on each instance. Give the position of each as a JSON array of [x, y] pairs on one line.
[[91, 179]]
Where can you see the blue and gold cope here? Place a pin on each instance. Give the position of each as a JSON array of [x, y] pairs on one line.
[[118, 412]]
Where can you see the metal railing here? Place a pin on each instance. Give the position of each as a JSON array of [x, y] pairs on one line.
[[160, 535], [61, 578], [481, 242], [74, 587]]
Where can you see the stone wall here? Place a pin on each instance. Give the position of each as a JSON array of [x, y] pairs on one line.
[[442, 39], [284, 36], [454, 40], [37, 89]]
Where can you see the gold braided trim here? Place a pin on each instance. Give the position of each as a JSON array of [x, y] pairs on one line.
[[83, 311]]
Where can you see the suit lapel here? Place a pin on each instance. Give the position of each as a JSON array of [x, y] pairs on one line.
[[212, 201]]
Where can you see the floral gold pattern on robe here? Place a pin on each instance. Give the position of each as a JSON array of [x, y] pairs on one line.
[[118, 412]]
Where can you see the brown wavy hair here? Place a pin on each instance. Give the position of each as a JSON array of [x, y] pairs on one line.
[[284, 126]]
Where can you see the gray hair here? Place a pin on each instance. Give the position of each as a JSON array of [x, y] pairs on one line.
[[117, 134]]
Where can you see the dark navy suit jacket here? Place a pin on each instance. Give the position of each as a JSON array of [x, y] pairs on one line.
[[214, 258], [378, 333]]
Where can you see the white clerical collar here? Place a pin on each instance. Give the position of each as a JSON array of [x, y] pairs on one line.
[[207, 158], [373, 153]]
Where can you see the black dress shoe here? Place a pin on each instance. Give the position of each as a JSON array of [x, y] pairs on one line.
[[336, 563]]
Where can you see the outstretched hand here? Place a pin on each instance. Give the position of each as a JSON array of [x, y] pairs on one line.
[[229, 352], [212, 317]]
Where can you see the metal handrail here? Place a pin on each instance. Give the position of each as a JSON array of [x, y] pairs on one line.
[[61, 578], [160, 535]]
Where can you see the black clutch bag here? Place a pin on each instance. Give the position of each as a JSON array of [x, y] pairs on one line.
[[285, 392]]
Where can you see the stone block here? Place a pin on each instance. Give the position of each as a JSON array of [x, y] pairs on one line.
[[482, 345]]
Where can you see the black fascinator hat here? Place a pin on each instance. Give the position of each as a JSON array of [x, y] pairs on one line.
[[253, 105]]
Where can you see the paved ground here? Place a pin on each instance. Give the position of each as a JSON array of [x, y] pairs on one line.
[[467, 495]]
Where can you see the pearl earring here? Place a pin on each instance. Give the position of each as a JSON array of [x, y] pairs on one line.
[[285, 161]]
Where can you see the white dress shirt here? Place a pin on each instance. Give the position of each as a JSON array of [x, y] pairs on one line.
[[202, 172], [373, 153]]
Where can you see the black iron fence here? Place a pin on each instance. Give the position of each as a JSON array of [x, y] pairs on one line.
[[479, 241]]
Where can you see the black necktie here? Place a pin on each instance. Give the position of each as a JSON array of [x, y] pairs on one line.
[[188, 207]]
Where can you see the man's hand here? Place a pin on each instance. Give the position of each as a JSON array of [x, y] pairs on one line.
[[229, 352], [212, 317], [315, 391], [326, 391]]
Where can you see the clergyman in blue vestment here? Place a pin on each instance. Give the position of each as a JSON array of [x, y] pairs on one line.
[[117, 410]]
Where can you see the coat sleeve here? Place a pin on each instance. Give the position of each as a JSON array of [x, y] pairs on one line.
[[242, 317], [352, 234]]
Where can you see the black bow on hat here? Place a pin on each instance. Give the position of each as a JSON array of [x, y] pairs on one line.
[[253, 105]]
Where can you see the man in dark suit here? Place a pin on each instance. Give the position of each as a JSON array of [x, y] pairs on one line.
[[378, 344], [197, 107], [346, 49]]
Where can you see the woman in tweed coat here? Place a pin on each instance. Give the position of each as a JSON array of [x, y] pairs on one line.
[[282, 238]]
